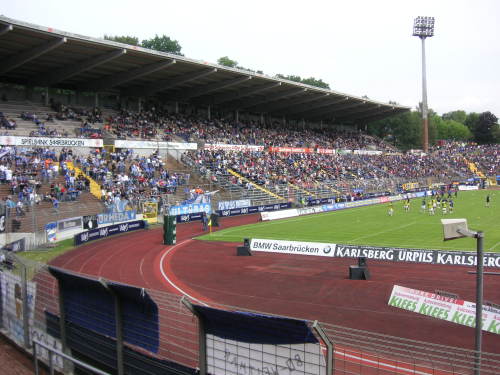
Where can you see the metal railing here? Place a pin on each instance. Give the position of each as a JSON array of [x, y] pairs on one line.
[[51, 353], [355, 352]]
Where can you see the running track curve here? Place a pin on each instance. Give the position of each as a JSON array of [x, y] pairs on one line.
[[290, 285]]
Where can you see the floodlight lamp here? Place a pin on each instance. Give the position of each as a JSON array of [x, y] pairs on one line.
[[423, 27]]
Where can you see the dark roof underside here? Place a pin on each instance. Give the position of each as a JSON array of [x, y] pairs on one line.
[[41, 56]]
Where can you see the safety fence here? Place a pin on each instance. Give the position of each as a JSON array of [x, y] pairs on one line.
[[124, 329]]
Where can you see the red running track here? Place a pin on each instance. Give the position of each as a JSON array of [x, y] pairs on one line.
[[290, 285]]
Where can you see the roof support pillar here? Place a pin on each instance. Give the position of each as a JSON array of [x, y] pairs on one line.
[[96, 99], [46, 99], [28, 93], [208, 112], [176, 107], [262, 118], [237, 116]]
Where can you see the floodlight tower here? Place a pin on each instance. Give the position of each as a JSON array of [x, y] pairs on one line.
[[423, 27]]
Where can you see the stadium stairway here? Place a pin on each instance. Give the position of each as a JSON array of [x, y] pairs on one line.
[[258, 187], [324, 190], [95, 188], [473, 168], [300, 191]]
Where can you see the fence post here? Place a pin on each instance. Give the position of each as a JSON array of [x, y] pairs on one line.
[[35, 358], [118, 326], [26, 327], [330, 361], [68, 368], [202, 342]]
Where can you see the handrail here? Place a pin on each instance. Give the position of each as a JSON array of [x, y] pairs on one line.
[[236, 174], [53, 351], [95, 188]]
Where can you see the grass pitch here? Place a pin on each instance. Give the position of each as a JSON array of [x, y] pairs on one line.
[[371, 225]]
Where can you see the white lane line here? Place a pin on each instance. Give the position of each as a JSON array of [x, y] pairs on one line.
[[164, 274], [140, 268], [338, 353]]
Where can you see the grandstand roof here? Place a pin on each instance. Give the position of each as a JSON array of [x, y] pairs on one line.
[[42, 56]]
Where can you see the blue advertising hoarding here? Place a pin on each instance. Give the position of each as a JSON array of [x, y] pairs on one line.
[[96, 234]]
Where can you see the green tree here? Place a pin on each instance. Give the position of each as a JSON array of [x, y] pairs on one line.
[[316, 82], [459, 116], [486, 127], [289, 77], [451, 130], [403, 130], [308, 81], [126, 39], [472, 120], [164, 44], [226, 61]]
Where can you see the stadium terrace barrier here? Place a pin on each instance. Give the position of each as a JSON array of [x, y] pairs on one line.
[[236, 211], [96, 234], [330, 206], [394, 254], [49, 142]]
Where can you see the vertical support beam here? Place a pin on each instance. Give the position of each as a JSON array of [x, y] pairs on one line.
[[208, 112], [139, 104], [119, 333], [96, 99], [46, 96], [425, 117], [35, 359], [479, 302], [176, 107], [330, 364], [62, 318], [237, 116], [118, 325], [28, 92], [262, 118], [62, 327], [202, 339], [26, 322]]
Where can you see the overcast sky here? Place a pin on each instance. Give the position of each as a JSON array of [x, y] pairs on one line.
[[360, 47]]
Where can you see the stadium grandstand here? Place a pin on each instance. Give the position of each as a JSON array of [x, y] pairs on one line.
[[99, 136]]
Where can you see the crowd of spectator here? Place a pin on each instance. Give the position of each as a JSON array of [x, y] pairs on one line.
[[25, 170], [308, 169], [485, 157], [7, 123], [127, 177], [130, 177], [85, 115], [159, 124]]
